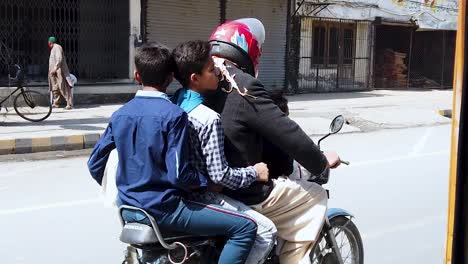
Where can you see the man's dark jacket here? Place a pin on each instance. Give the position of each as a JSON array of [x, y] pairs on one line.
[[247, 121]]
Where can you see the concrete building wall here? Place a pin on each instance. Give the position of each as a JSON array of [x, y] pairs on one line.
[[428, 14]]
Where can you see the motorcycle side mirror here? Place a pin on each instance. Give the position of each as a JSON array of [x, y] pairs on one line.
[[335, 126]]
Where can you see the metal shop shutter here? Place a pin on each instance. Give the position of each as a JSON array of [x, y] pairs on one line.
[[172, 22], [273, 14]]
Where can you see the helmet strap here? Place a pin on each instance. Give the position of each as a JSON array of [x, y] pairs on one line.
[[220, 64]]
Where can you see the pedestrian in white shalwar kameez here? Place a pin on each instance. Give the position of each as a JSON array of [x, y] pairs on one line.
[[60, 82]]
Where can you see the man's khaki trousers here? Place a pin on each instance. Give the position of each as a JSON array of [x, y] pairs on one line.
[[298, 208]]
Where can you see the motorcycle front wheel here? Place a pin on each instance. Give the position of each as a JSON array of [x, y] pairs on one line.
[[348, 240]]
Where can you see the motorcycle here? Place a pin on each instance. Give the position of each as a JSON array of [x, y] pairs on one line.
[[339, 241]]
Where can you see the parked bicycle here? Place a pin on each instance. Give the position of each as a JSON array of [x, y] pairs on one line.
[[28, 104]]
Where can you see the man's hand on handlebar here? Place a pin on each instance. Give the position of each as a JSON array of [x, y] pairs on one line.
[[332, 158]]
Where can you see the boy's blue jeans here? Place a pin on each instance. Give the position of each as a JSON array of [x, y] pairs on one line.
[[266, 229], [201, 219]]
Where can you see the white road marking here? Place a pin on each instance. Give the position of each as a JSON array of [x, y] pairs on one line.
[[99, 200], [424, 221], [49, 206], [398, 158], [422, 141]]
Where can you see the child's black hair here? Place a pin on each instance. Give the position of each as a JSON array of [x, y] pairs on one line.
[[155, 64], [190, 57]]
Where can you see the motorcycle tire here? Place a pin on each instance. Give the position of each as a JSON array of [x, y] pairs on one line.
[[344, 229]]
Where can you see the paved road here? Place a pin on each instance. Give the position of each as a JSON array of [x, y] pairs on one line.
[[397, 186]]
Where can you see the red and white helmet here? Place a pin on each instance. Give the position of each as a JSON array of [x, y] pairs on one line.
[[240, 41]]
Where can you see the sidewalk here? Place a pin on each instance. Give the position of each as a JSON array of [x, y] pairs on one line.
[[89, 93], [81, 127]]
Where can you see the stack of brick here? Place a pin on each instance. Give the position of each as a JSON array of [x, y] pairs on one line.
[[391, 69]]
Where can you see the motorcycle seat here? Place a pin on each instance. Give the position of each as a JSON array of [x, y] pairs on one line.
[[140, 231], [141, 234]]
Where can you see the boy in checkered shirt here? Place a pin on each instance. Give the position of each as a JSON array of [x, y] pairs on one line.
[[198, 75]]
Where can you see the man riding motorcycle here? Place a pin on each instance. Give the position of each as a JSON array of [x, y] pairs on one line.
[[249, 116]]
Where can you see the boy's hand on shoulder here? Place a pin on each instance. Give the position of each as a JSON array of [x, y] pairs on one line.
[[262, 172]]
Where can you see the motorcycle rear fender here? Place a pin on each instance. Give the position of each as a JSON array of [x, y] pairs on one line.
[[334, 212]]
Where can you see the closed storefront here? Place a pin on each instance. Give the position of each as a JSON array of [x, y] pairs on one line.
[[93, 34], [172, 22]]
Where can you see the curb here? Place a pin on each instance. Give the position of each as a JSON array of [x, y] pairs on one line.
[[41, 144], [445, 112]]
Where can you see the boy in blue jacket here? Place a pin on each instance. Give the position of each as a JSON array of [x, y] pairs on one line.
[[151, 136]]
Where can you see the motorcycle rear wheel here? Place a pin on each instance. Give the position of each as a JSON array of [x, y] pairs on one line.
[[349, 243]]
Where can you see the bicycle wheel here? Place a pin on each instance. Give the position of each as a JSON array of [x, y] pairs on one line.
[[349, 243], [32, 106]]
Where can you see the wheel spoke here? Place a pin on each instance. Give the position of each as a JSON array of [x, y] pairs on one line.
[[319, 251], [347, 256], [345, 248], [348, 243], [339, 231], [341, 240], [342, 237], [343, 244]]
